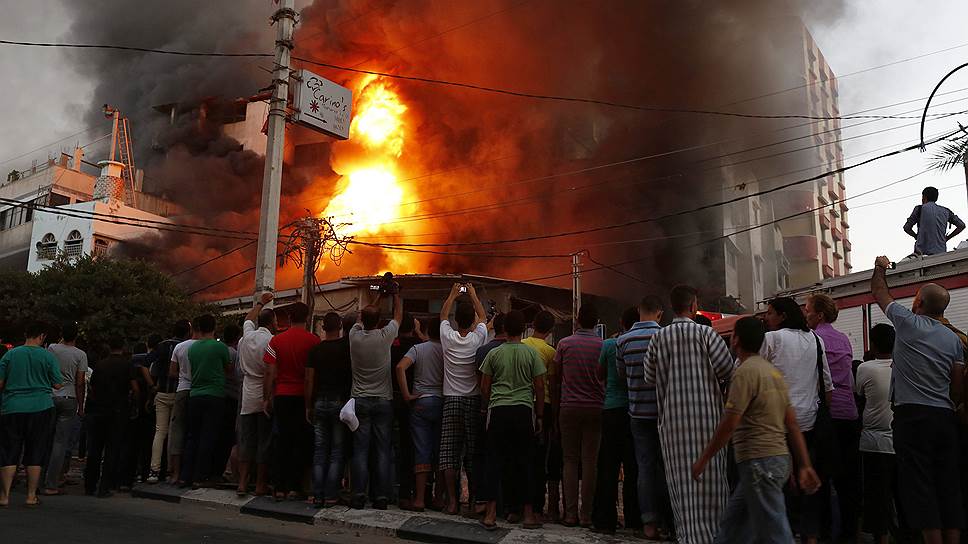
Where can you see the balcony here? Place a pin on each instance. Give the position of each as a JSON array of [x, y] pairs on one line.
[[837, 234], [843, 206], [828, 271], [824, 221], [847, 245]]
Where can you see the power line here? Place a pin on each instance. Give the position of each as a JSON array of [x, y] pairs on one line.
[[456, 84], [215, 258]]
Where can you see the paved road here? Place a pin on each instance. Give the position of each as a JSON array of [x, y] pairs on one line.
[[82, 520]]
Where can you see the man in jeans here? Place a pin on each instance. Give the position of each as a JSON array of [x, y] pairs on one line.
[[760, 420], [373, 393], [210, 361], [68, 403], [285, 391], [513, 387], [929, 363], [329, 377], [630, 349], [616, 451], [255, 427], [165, 387], [427, 410], [28, 375], [460, 429], [579, 396]]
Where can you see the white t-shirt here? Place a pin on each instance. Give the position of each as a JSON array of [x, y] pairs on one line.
[[252, 350], [794, 352], [180, 356], [874, 383], [460, 372]]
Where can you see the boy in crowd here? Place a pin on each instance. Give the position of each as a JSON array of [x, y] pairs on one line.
[[759, 417]]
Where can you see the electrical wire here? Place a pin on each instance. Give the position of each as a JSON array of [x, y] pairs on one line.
[[434, 81]]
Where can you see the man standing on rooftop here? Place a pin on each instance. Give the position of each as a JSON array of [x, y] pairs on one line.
[[932, 220]]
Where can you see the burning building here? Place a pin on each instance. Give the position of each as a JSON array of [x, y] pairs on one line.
[[458, 173]]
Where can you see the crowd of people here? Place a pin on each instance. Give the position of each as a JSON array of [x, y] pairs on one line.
[[773, 432]]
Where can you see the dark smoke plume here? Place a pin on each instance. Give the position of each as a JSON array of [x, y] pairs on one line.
[[687, 54]]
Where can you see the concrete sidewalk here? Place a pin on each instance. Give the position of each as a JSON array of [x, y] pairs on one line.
[[422, 527]]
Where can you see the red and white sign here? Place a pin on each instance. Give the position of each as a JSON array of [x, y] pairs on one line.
[[322, 105]]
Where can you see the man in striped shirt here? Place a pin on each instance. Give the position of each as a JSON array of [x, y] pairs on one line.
[[580, 382], [644, 413]]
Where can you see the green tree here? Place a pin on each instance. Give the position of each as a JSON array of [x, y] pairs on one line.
[[104, 296]]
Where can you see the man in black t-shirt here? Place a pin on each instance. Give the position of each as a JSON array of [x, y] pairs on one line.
[[407, 337], [165, 386], [112, 383], [329, 376]]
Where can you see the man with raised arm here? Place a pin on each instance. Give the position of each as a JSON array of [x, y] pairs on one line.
[[461, 425], [926, 387]]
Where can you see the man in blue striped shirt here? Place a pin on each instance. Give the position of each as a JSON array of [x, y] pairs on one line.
[[644, 413]]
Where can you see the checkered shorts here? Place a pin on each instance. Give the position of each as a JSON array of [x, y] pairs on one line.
[[460, 432]]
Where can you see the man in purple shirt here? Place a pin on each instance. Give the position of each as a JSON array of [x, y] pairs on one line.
[[821, 311]]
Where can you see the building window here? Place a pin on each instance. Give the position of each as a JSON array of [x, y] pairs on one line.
[[74, 244], [47, 247], [758, 271], [100, 248], [59, 200], [730, 258]]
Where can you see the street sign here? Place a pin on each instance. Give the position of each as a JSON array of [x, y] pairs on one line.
[[322, 105]]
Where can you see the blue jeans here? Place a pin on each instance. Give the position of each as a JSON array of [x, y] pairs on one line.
[[330, 454], [756, 511], [425, 419], [376, 419], [653, 493]]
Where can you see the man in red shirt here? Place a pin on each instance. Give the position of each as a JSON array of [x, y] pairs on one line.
[[283, 390]]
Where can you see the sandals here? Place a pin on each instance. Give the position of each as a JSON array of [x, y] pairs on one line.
[[33, 504], [51, 492], [531, 526], [488, 526]]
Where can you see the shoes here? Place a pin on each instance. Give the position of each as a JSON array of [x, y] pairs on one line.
[[153, 478], [380, 504], [357, 503]]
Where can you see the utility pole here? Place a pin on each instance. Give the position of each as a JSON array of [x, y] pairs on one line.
[[575, 288], [310, 263], [265, 267]]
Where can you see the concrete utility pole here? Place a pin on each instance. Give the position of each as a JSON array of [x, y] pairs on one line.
[[575, 289], [265, 267]]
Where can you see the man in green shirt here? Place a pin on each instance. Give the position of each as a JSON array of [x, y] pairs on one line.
[[513, 389], [28, 376], [616, 449], [209, 360]]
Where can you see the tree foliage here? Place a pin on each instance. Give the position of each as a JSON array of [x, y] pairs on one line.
[[951, 154], [104, 296]]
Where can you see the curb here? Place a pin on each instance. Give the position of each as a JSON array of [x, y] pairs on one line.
[[424, 527]]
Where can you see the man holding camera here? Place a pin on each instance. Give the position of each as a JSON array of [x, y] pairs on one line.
[[461, 426], [373, 392]]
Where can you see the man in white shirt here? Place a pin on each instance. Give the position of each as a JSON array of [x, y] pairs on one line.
[[255, 426], [461, 427], [873, 382], [180, 368]]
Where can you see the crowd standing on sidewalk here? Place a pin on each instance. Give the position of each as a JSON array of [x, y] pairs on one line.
[[775, 433]]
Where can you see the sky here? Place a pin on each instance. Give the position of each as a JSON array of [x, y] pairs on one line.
[[45, 99]]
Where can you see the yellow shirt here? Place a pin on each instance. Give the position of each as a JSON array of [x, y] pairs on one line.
[[547, 354], [758, 393]]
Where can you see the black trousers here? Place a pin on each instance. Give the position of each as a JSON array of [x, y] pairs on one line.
[[846, 477], [510, 443], [204, 417], [136, 448], [105, 430], [403, 446], [539, 463], [289, 451], [616, 450], [879, 490], [226, 436]]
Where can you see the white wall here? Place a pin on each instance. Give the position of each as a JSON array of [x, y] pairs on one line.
[[61, 226]]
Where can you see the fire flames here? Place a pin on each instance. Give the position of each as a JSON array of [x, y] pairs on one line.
[[368, 192]]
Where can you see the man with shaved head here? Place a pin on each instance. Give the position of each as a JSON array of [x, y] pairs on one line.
[[929, 362]]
